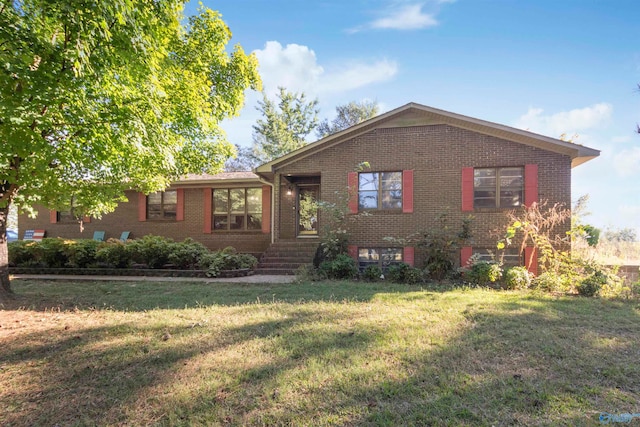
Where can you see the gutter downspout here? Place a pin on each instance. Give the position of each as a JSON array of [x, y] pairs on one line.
[[273, 207]]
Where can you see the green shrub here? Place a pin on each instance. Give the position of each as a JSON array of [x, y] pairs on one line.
[[186, 254], [342, 267], [517, 278], [404, 273], [114, 253], [483, 273], [551, 282], [247, 261], [81, 253], [212, 263], [226, 259], [372, 273], [21, 253], [151, 250], [590, 286], [51, 253]]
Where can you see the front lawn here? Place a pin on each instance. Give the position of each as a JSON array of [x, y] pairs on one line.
[[335, 353]]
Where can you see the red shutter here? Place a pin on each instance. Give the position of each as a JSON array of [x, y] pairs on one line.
[[352, 183], [465, 254], [53, 217], [530, 184], [142, 207], [353, 252], [206, 197], [407, 191], [467, 189], [180, 204], [408, 254], [266, 209], [531, 260]]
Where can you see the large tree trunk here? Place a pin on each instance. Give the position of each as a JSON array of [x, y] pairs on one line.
[[5, 284]]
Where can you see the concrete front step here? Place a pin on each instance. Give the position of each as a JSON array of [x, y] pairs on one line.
[[286, 256]]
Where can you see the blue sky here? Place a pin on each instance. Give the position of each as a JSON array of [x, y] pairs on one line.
[[552, 67]]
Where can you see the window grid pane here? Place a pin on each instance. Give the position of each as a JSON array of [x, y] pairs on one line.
[[380, 190], [498, 187], [162, 205], [237, 209]]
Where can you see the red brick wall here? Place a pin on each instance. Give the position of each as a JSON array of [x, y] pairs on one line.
[[436, 154], [125, 218]]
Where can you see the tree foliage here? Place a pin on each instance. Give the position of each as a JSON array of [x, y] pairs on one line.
[[243, 161], [580, 230], [285, 125], [100, 97], [346, 116], [621, 235]]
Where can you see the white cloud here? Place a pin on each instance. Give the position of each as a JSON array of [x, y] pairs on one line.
[[407, 17], [567, 122], [627, 162], [404, 15], [296, 68], [356, 75]]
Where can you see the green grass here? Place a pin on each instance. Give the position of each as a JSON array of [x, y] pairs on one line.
[[337, 353]]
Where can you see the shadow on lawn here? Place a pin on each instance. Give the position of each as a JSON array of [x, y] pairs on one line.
[[523, 361], [91, 378], [534, 362], [141, 296]]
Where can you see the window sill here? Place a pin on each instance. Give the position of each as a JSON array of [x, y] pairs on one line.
[[381, 211], [495, 210], [236, 231]]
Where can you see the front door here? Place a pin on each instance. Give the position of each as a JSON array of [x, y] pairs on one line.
[[308, 210]]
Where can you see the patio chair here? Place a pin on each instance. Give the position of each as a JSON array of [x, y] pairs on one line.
[[99, 236]]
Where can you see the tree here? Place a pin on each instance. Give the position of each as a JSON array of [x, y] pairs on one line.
[[243, 161], [621, 235], [100, 97], [579, 229], [348, 115], [285, 125]]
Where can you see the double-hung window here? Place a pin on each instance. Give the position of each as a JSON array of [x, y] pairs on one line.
[[380, 190], [498, 187], [237, 209], [162, 205]]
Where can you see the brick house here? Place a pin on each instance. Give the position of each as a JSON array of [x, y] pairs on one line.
[[422, 162]]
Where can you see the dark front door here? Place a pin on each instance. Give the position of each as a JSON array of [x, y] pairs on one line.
[[308, 210]]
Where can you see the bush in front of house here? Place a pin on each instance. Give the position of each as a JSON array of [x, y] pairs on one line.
[[226, 259], [115, 254], [372, 273], [404, 273], [20, 252], [517, 278], [50, 252], [186, 255], [341, 267], [152, 251], [483, 273], [81, 253]]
